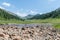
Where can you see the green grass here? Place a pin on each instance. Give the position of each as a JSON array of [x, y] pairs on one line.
[[31, 21], [57, 25], [46, 21], [55, 22]]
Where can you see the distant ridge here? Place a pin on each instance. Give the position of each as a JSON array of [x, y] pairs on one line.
[[52, 14]]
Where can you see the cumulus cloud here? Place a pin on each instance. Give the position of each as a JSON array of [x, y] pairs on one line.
[[21, 13], [24, 13], [2, 7], [6, 4], [33, 12]]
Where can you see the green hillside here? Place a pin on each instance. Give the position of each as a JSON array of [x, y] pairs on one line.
[[53, 14], [6, 15]]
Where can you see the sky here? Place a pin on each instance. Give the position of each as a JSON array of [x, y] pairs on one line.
[[25, 7]]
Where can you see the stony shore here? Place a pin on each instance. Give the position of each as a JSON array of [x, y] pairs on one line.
[[29, 32]]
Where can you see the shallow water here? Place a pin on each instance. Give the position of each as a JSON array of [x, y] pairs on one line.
[[30, 25]]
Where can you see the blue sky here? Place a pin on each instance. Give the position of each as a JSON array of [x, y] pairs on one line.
[[25, 7]]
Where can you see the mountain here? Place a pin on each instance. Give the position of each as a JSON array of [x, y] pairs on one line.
[[37, 16], [52, 14], [6, 15], [28, 16]]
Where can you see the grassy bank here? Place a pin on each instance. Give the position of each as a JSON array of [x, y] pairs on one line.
[[55, 22]]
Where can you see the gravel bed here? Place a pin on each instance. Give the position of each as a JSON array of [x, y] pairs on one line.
[[29, 32]]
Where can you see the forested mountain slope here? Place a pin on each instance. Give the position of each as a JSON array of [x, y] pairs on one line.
[[8, 15], [53, 14]]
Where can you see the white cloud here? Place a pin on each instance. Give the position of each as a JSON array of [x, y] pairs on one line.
[[21, 14], [6, 4], [24, 13], [2, 7], [33, 12]]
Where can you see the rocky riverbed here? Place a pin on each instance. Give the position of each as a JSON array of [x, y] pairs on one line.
[[29, 32]]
